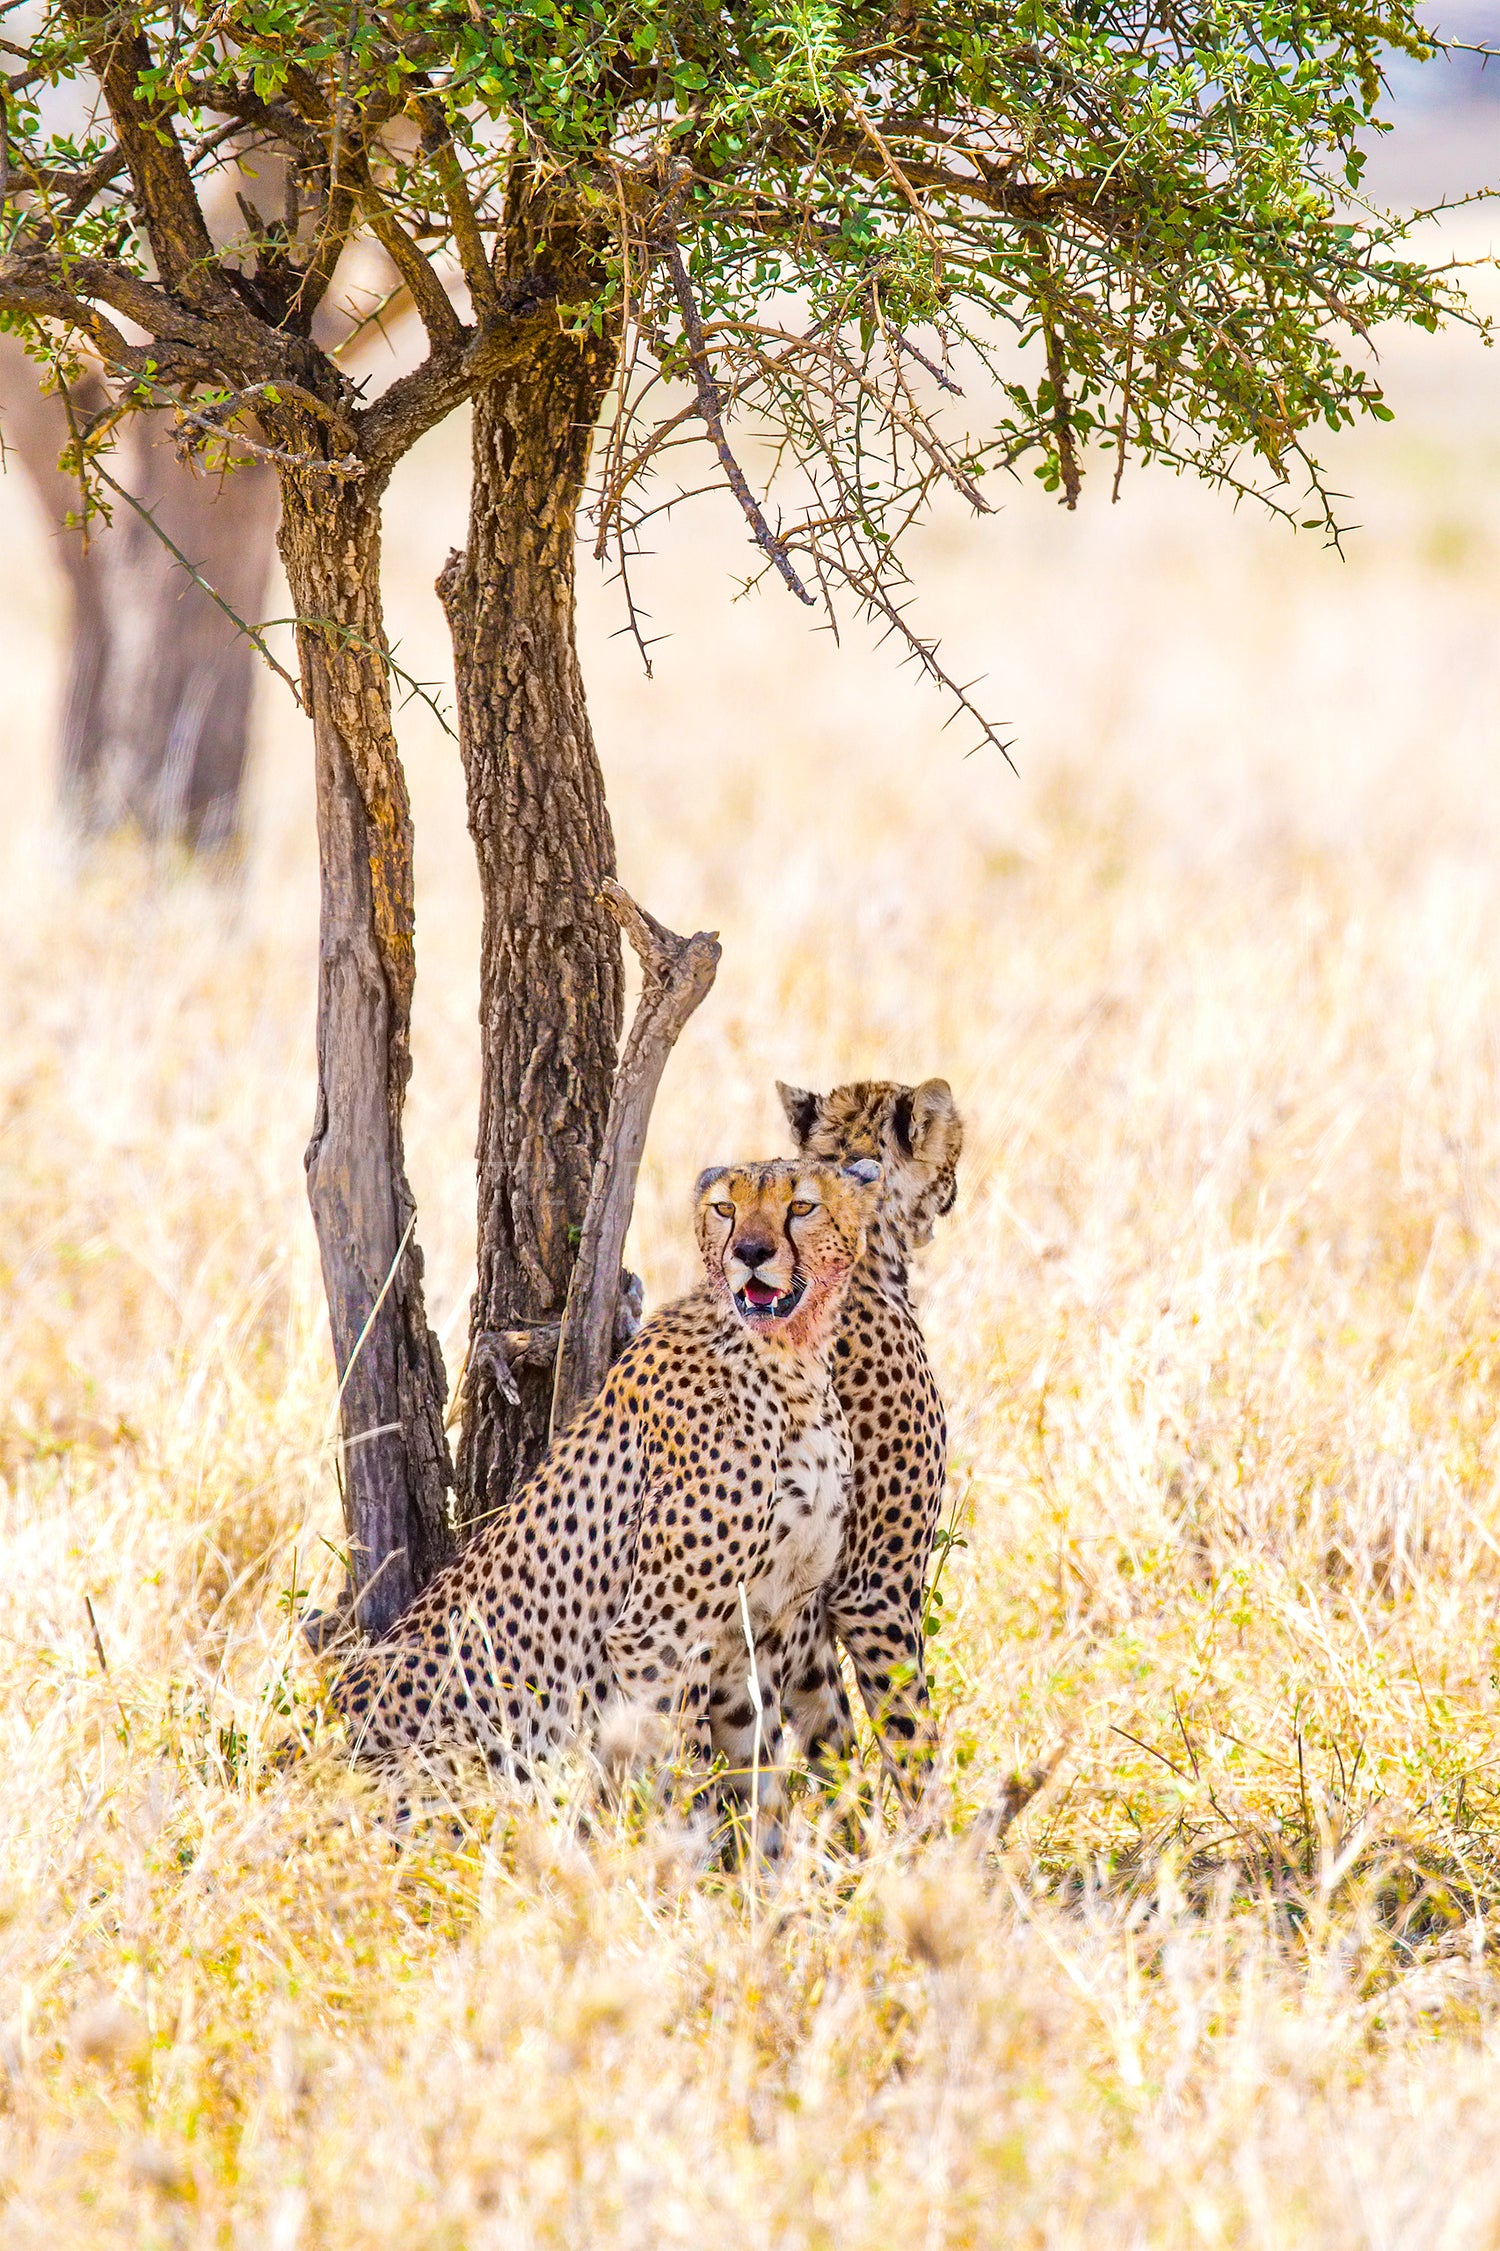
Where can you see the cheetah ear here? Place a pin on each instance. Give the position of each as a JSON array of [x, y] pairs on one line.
[[706, 1180], [865, 1170], [801, 1109], [927, 1122]]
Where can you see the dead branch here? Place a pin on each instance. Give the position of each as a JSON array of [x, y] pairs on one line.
[[218, 424], [633, 613], [743, 339], [1125, 392], [894, 172], [879, 602], [678, 974]]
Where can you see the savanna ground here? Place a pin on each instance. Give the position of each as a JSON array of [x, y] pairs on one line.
[[1217, 984]]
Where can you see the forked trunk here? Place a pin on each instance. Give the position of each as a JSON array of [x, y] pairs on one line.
[[396, 1468], [551, 980]]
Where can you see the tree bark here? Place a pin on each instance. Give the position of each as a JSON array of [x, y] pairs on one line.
[[551, 977], [156, 704], [396, 1466]]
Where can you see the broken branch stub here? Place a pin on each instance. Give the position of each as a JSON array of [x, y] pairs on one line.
[[677, 974]]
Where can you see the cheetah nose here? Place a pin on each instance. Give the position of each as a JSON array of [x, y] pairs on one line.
[[753, 1253]]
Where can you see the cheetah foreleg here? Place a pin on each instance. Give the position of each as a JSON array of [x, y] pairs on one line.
[[660, 1675], [749, 1733], [885, 1647], [816, 1701]]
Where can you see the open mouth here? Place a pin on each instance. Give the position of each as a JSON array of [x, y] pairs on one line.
[[760, 1302]]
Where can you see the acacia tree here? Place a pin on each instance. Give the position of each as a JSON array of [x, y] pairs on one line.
[[790, 235]]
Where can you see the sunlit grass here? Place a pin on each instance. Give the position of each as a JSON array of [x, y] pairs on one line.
[[1217, 984]]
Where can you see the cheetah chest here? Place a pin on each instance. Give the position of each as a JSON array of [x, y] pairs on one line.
[[806, 1529]]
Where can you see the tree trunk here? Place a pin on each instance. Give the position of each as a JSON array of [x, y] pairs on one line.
[[396, 1468], [156, 704], [551, 978]]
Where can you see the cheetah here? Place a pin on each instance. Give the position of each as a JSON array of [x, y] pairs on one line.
[[873, 1601], [687, 1514]]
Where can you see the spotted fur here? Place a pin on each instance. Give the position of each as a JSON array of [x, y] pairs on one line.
[[715, 1459], [873, 1601]]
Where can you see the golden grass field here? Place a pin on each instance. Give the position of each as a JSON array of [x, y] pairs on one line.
[[1217, 983]]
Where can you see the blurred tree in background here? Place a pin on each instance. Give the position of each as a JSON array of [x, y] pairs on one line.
[[844, 255], [154, 727]]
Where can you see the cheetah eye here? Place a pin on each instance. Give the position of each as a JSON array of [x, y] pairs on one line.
[[800, 1209], [725, 1211]]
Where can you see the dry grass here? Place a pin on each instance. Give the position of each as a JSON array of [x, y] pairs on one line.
[[1218, 984]]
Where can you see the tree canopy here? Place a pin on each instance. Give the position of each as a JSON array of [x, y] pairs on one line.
[[1141, 218]]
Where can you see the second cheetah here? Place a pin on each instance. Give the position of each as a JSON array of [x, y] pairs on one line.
[[873, 1602]]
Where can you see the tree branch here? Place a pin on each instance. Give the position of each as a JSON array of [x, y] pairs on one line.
[[678, 974], [35, 299], [499, 1352], [434, 306], [711, 412], [180, 241], [989, 184], [446, 378], [462, 218], [202, 347]]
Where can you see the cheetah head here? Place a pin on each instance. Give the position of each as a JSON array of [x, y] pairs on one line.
[[915, 1133], [780, 1240]]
